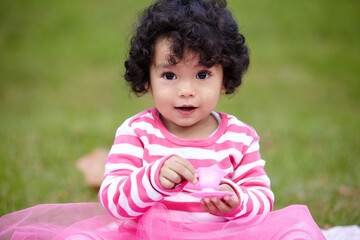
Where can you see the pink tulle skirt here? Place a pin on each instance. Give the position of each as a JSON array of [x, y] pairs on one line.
[[90, 221]]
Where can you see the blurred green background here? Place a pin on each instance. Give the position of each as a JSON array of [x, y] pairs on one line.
[[62, 94]]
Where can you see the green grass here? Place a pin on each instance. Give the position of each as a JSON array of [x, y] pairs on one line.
[[62, 95]]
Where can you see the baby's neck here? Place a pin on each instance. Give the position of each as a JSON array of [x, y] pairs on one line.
[[203, 129]]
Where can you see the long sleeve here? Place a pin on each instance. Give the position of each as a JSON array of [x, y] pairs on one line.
[[251, 182], [142, 144], [130, 186]]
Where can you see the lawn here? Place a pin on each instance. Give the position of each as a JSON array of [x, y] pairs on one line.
[[62, 95]]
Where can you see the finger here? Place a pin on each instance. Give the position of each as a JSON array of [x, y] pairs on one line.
[[187, 165], [221, 206], [232, 201], [211, 208], [171, 176], [204, 206], [178, 160], [166, 183], [225, 188], [185, 170]]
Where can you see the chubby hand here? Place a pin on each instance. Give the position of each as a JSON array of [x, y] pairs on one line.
[[221, 207], [176, 170]]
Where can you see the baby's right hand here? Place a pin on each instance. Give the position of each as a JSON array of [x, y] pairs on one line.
[[175, 170]]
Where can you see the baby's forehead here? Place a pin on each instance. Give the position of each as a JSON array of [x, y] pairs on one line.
[[164, 53]]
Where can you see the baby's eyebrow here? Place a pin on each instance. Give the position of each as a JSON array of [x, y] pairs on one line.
[[162, 66]]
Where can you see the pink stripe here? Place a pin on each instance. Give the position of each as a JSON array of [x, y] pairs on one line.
[[261, 209], [232, 127], [150, 158], [128, 188], [183, 206], [271, 201], [225, 163], [119, 172], [253, 172], [141, 189], [128, 139], [228, 144], [233, 161], [120, 210], [247, 130], [262, 204], [250, 158], [249, 205], [139, 116], [104, 198], [202, 163], [146, 120], [255, 184], [153, 139], [124, 158]]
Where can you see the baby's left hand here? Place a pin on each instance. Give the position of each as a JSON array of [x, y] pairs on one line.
[[219, 207]]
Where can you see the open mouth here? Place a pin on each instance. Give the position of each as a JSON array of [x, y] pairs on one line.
[[186, 108]]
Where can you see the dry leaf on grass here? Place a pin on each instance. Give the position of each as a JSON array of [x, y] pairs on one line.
[[348, 191], [92, 166]]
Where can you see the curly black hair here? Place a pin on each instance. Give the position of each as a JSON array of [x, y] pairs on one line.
[[205, 27]]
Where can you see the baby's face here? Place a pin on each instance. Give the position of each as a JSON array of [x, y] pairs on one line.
[[184, 93]]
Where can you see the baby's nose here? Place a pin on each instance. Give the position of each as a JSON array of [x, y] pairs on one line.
[[186, 89]]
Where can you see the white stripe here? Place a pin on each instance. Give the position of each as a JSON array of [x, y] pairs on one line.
[[127, 149], [153, 177], [109, 167], [109, 180], [264, 199], [111, 192], [265, 191], [190, 153], [124, 203], [135, 192], [253, 147], [256, 204], [243, 197], [234, 121], [150, 191], [245, 168], [263, 178], [148, 128], [266, 205], [124, 129], [228, 136], [244, 200], [147, 115], [235, 137]]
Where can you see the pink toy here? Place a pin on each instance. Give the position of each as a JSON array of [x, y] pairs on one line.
[[209, 180]]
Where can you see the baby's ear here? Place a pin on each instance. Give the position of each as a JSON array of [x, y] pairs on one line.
[[148, 87], [223, 89]]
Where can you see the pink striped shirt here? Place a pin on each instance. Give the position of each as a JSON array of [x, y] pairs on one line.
[[142, 143]]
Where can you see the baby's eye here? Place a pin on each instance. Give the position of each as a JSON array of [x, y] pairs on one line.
[[169, 76], [203, 75]]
